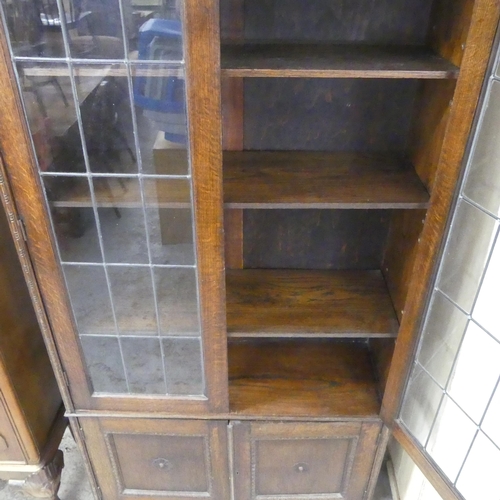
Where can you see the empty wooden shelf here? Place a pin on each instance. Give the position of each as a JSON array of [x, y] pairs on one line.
[[301, 378], [291, 303], [277, 179], [285, 60], [298, 179]]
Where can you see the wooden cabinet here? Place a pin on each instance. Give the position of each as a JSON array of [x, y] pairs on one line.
[[31, 412], [302, 460], [233, 215], [168, 459]]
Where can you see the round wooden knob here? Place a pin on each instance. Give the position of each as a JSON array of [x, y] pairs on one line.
[[162, 463], [301, 467]]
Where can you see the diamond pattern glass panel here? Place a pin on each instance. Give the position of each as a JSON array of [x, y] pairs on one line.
[[476, 372], [441, 339], [466, 254], [483, 181], [422, 401], [465, 436], [453, 431], [486, 311], [103, 85], [479, 478], [490, 425]]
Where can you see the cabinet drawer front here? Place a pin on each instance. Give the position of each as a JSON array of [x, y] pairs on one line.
[[161, 463], [10, 450], [303, 461], [159, 459]]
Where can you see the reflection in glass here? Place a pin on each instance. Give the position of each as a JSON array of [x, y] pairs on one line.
[[34, 28], [73, 218], [95, 28], [177, 301], [124, 235], [122, 220], [104, 363], [441, 337], [483, 181], [466, 254], [170, 220], [104, 101], [421, 404], [183, 366], [451, 438], [89, 295], [144, 365], [109, 112], [476, 372], [50, 110], [159, 98], [171, 235], [133, 300]]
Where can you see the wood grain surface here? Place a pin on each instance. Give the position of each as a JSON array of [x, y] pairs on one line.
[[315, 239], [301, 378], [483, 25], [302, 459], [290, 303], [333, 61], [382, 22], [233, 241], [27, 383], [281, 179], [321, 114], [205, 138]]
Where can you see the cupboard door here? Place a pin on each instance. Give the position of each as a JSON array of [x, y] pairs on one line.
[[119, 184], [140, 459], [303, 460], [10, 449]]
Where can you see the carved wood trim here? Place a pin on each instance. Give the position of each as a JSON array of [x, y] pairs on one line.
[[18, 233]]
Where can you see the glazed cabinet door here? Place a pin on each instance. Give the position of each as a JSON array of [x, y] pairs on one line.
[[138, 459], [113, 154], [303, 461]]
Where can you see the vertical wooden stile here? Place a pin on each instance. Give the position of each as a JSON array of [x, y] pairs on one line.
[[205, 132]]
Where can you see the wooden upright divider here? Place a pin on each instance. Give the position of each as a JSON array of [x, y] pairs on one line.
[[232, 28]]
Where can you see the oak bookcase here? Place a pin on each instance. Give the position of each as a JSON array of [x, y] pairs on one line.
[[325, 139]]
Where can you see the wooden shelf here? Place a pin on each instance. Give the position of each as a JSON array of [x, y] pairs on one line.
[[276, 179], [292, 303], [294, 179], [316, 378], [287, 60]]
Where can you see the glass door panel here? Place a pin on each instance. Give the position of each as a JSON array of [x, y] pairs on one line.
[[103, 88]]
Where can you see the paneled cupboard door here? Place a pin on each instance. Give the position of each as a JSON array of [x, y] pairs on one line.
[[302, 461], [140, 459], [117, 162]]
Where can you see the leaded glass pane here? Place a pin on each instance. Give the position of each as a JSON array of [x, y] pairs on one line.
[[103, 87]]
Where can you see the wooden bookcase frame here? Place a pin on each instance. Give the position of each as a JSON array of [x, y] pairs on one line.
[[460, 37]]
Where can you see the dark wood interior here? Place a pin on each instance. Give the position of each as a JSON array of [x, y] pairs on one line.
[[334, 116], [301, 378], [292, 303]]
